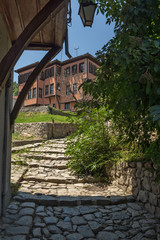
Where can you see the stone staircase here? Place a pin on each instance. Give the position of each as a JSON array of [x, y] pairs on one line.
[[54, 204], [46, 172]]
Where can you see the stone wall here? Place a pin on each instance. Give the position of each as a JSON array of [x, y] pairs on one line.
[[54, 111], [139, 179], [34, 109], [44, 130], [61, 130], [40, 130], [46, 109]]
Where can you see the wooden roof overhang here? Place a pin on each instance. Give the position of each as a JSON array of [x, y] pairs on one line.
[[17, 14], [32, 25]]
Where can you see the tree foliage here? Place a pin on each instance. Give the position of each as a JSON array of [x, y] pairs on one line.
[[15, 89], [128, 80]]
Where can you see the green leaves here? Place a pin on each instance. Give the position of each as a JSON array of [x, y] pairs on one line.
[[90, 148], [155, 113], [15, 89], [128, 81]]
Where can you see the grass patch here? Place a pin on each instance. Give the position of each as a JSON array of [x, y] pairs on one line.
[[18, 137], [29, 117]]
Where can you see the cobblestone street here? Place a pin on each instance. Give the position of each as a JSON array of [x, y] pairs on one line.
[[53, 204]]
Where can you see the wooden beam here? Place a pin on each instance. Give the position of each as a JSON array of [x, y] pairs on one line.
[[39, 21], [47, 58]]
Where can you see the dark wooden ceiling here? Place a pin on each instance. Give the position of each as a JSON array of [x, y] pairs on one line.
[[18, 13]]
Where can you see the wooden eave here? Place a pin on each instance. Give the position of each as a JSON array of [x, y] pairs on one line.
[[81, 57], [18, 13], [56, 61]]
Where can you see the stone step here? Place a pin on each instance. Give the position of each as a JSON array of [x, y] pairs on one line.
[[58, 179], [47, 200], [71, 189], [47, 150], [54, 142], [54, 145], [44, 156], [42, 174], [17, 143], [19, 148], [58, 150], [17, 173], [61, 164]]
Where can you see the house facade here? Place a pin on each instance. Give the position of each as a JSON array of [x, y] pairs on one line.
[[58, 83]]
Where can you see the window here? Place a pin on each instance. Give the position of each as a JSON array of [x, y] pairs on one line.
[[74, 69], [46, 89], [92, 68], [58, 87], [34, 93], [58, 70], [67, 71], [54, 105], [52, 72], [42, 77], [40, 93], [29, 94], [51, 88], [75, 88], [47, 73], [68, 90], [67, 106], [23, 77], [81, 67]]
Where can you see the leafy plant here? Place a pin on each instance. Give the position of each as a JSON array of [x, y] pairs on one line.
[[91, 148], [15, 89], [128, 79]]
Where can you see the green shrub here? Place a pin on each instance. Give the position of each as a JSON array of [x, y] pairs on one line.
[[91, 148]]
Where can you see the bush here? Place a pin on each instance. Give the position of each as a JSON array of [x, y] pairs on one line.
[[91, 147]]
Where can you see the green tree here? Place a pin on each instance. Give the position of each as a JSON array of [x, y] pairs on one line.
[[15, 89], [128, 80]]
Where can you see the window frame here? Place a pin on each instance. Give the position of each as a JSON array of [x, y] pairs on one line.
[[40, 91], [46, 90], [52, 90], [34, 93], [75, 88], [67, 106], [68, 89], [58, 87], [92, 68], [52, 72], [47, 73], [80, 69], [29, 94], [74, 69], [67, 71]]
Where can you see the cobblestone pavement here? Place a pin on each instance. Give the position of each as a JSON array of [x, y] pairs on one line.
[[52, 203]]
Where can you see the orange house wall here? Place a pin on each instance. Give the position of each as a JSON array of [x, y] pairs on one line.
[[61, 98]]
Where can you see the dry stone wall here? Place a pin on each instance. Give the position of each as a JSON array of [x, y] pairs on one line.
[[40, 130], [61, 130], [34, 109], [139, 179], [44, 130], [45, 109]]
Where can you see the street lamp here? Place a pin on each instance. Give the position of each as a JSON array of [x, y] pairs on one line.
[[86, 11]]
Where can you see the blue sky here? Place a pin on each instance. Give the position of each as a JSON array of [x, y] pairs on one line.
[[86, 39]]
